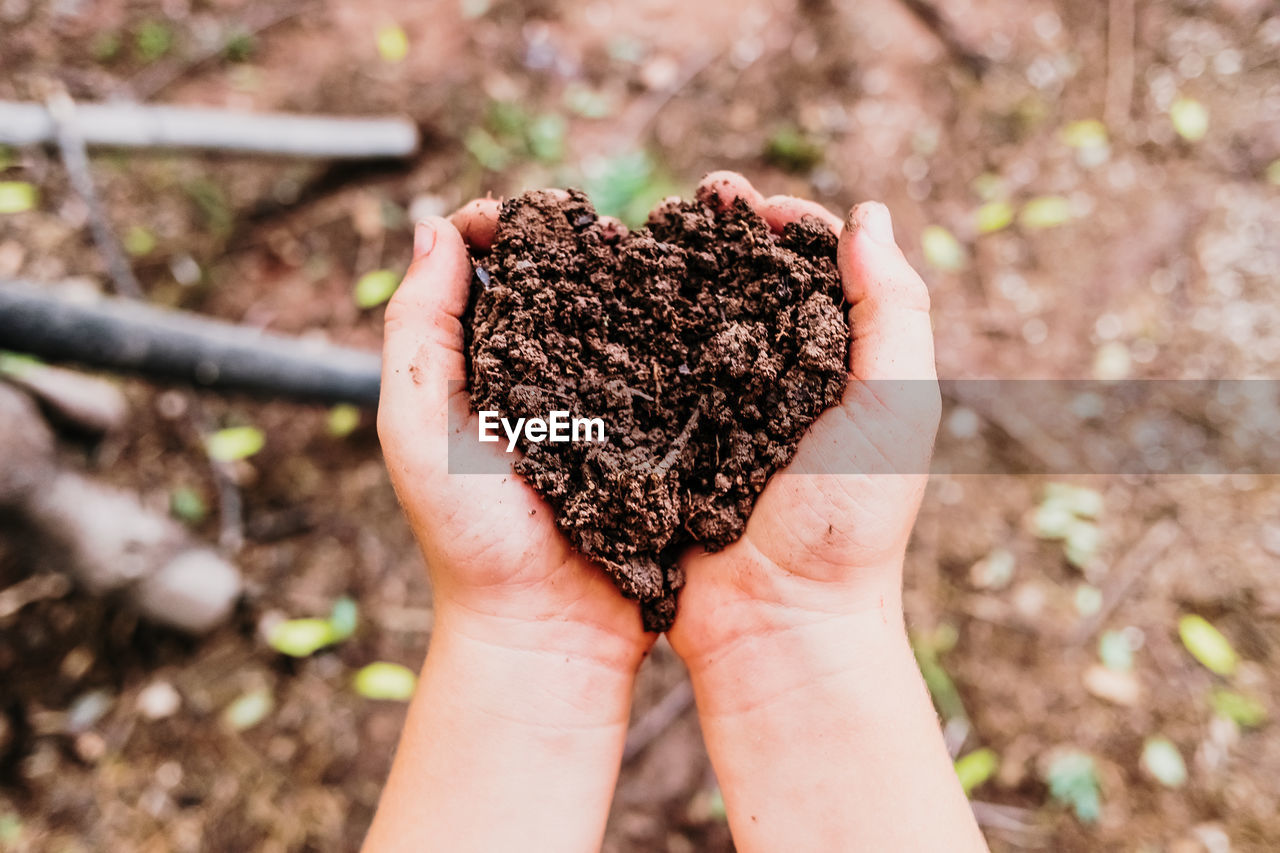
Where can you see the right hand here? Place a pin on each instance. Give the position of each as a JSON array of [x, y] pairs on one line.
[[828, 535]]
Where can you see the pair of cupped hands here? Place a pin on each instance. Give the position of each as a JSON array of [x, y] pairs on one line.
[[826, 543]]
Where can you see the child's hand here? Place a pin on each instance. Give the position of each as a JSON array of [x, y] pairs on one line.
[[500, 570], [827, 537]]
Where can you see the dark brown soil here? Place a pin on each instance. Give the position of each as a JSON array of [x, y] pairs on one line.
[[706, 343]]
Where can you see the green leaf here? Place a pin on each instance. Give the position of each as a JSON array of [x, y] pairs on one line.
[[301, 638], [6, 157], [1115, 651], [1078, 500], [105, 46], [545, 137], [384, 680], [153, 40], [1164, 762], [487, 151], [988, 186], [976, 768], [791, 149], [1073, 781], [248, 710], [1052, 520], [233, 443], [1245, 711], [375, 288], [1190, 119], [344, 618], [584, 101], [1048, 211], [1087, 133], [10, 828], [187, 504], [626, 185], [239, 47], [993, 216], [393, 43], [1207, 644], [1273, 173], [343, 420], [1088, 599], [715, 805], [139, 241], [942, 249], [17, 196], [1083, 540], [946, 698]]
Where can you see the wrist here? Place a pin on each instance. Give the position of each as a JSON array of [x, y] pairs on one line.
[[798, 653], [553, 674]]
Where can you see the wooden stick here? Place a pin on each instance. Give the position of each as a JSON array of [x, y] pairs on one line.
[[75, 157], [1130, 568], [122, 335], [127, 125]]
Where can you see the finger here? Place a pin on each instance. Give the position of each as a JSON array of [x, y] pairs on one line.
[[781, 210], [423, 367], [477, 221], [721, 189], [892, 334]]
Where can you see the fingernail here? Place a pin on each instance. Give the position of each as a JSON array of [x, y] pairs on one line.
[[424, 239], [873, 218]]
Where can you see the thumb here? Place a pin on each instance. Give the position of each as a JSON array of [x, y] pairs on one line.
[[423, 366], [889, 313]]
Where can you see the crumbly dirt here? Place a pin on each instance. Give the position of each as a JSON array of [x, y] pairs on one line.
[[706, 343]]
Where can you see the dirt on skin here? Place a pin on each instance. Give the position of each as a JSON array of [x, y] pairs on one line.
[[706, 343]]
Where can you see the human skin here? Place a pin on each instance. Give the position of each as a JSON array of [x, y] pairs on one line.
[[815, 716]]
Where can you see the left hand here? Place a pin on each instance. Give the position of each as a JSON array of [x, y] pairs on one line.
[[501, 571]]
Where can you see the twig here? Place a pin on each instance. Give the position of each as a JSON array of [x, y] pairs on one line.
[[1120, 34], [155, 78], [124, 125], [38, 587], [940, 25], [1128, 570], [677, 446], [76, 160], [657, 720], [1052, 455]]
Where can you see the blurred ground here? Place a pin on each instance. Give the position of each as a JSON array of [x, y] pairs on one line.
[[1149, 250]]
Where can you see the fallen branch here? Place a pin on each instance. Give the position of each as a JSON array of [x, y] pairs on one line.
[[75, 157], [127, 125], [116, 334], [929, 14]]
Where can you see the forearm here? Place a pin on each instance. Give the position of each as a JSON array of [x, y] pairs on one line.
[[504, 749], [824, 738]]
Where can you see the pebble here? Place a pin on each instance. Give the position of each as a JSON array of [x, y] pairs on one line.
[[1115, 686], [158, 700]]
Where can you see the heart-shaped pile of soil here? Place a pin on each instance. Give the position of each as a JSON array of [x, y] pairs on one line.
[[706, 343]]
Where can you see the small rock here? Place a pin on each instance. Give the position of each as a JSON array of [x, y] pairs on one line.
[[660, 73], [158, 700], [1116, 686]]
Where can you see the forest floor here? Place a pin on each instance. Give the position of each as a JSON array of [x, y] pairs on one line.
[[1056, 247]]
